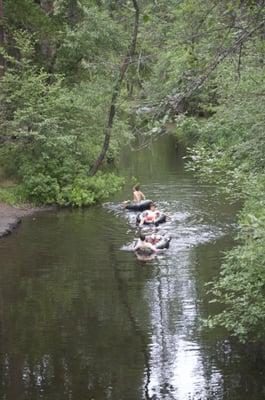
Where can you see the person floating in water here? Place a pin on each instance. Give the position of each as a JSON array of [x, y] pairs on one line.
[[154, 238], [142, 245], [137, 194], [150, 215]]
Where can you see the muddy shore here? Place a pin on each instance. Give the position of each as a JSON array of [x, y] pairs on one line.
[[11, 217]]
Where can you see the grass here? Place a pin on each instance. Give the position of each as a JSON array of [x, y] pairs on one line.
[[11, 194]]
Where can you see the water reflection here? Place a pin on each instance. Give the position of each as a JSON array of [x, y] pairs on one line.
[[81, 319], [176, 354]]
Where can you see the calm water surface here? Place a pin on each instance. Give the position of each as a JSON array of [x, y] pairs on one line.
[[81, 318]]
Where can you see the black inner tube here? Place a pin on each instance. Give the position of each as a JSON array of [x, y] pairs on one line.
[[161, 219], [144, 251], [162, 244], [141, 206]]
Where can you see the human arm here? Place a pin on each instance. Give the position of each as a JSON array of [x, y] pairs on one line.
[[137, 246], [141, 221], [142, 218], [152, 247]]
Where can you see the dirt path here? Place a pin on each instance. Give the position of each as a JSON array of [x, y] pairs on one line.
[[10, 217]]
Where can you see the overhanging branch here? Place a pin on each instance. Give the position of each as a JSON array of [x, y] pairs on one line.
[[15, 139], [174, 101]]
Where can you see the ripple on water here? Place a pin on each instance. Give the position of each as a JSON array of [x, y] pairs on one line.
[[186, 228]]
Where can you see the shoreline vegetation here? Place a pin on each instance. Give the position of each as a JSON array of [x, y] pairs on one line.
[[76, 86]]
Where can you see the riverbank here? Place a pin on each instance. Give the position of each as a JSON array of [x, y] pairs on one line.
[[11, 217]]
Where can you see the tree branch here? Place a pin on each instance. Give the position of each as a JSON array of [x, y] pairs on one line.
[[239, 62], [15, 139], [174, 101], [2, 38]]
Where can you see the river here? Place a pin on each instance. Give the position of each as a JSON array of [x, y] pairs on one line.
[[82, 318]]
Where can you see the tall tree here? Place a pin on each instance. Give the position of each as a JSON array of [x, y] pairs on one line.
[[73, 12], [116, 91], [2, 61]]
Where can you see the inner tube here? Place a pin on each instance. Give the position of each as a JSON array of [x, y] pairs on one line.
[[162, 244], [141, 206], [144, 251], [157, 221]]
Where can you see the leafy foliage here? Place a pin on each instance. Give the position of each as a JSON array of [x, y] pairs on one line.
[[12, 195], [58, 117], [229, 151], [241, 286]]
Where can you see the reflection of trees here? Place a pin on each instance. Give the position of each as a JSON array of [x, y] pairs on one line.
[[46, 336], [144, 164], [165, 356], [80, 323], [239, 367], [136, 327], [65, 330], [176, 356]]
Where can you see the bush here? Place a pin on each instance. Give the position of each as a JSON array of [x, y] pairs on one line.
[[42, 189], [83, 191], [12, 195], [58, 129], [229, 152], [241, 285]]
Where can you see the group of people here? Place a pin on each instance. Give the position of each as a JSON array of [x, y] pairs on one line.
[[149, 215]]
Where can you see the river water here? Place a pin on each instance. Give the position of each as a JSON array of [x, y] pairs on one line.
[[82, 318]]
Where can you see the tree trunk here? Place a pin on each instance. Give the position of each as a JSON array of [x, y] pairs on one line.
[[47, 49], [73, 13], [47, 6], [116, 91], [2, 38]]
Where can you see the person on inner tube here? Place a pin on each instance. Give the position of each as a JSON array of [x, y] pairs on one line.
[[154, 238], [150, 215], [142, 244], [137, 194]]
